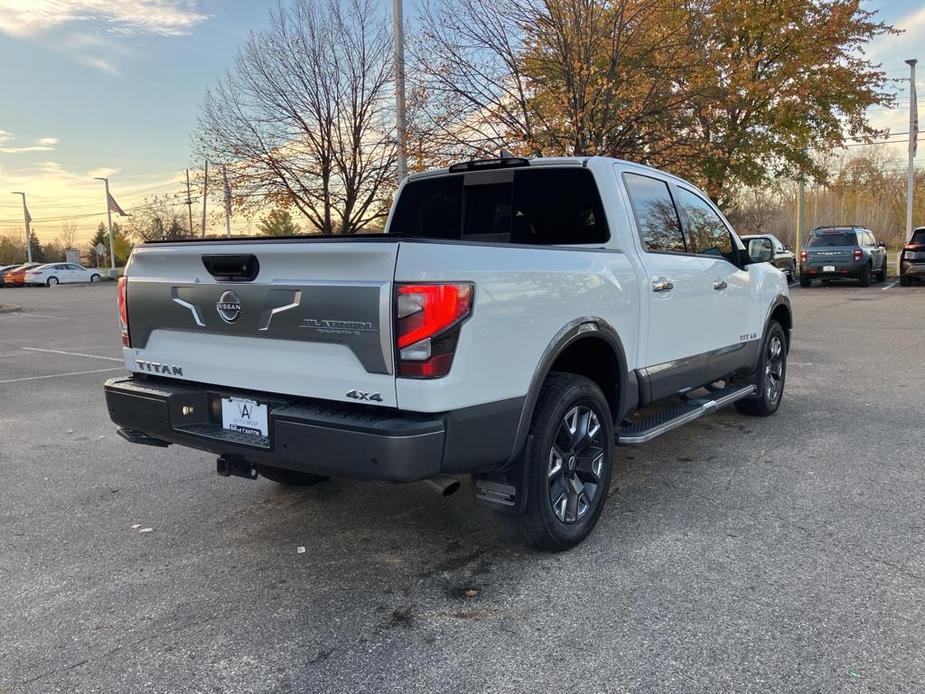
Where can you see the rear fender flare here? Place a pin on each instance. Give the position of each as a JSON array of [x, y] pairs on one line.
[[578, 329]]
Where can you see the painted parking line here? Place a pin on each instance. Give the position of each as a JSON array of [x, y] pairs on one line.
[[889, 286], [29, 314], [70, 373], [72, 354]]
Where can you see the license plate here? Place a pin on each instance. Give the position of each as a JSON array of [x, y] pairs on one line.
[[828, 268], [246, 416]]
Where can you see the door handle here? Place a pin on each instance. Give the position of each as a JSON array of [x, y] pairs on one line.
[[661, 284], [719, 285]]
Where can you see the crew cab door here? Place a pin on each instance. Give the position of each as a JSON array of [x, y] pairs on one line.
[[677, 294], [734, 323]]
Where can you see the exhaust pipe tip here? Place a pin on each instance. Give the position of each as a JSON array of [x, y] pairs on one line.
[[444, 485]]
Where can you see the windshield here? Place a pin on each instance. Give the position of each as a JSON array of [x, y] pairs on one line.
[[829, 239]]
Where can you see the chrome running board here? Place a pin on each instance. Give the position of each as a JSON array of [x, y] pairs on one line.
[[648, 428]]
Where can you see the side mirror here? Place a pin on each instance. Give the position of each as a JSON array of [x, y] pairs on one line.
[[882, 244], [787, 247], [760, 251]]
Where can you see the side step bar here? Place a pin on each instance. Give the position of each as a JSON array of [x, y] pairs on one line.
[[648, 428]]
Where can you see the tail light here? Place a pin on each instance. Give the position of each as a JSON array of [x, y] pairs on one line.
[[428, 320], [123, 313], [802, 256], [858, 254]]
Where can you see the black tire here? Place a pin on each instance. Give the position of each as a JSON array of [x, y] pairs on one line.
[[905, 281], [585, 468], [864, 278], [95, 278], [772, 367], [805, 282], [290, 477], [52, 281], [881, 273]]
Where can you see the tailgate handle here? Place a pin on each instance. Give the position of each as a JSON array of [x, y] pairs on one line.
[[233, 268]]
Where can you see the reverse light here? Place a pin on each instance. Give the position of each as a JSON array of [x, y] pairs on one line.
[[123, 312], [857, 255], [428, 320]]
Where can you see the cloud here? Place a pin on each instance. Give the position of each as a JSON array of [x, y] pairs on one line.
[[893, 50], [87, 30], [98, 63], [43, 144], [102, 172], [30, 18]]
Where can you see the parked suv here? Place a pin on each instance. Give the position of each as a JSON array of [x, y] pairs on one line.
[[912, 263], [842, 252], [783, 258], [517, 321]]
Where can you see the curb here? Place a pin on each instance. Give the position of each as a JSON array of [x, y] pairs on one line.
[[8, 308]]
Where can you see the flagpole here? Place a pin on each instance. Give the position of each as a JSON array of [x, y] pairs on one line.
[[112, 254], [913, 136], [26, 220], [398, 45]]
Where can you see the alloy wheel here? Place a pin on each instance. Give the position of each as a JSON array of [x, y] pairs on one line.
[[576, 462], [774, 369]]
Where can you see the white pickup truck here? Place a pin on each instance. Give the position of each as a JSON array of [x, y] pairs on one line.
[[518, 321]]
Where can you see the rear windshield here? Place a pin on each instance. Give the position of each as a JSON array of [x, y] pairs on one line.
[[833, 238], [918, 237], [542, 206]]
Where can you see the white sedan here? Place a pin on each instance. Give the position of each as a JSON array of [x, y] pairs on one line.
[[51, 274]]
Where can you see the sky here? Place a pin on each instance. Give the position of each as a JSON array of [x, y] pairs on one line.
[[113, 88]]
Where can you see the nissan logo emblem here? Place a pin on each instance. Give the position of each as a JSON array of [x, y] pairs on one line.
[[229, 307]]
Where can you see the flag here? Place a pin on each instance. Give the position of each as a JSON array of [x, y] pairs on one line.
[[114, 206], [913, 122]]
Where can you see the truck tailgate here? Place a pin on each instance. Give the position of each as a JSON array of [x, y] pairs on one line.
[[313, 321]]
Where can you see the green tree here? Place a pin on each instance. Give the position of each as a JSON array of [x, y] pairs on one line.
[[121, 243], [38, 253], [776, 80], [278, 223], [724, 92], [10, 251]]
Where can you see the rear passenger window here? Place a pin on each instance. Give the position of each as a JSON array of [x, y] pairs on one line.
[[656, 217], [706, 232], [557, 206]]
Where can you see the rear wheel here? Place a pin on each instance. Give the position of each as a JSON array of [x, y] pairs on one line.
[[569, 460], [864, 279], [791, 272], [290, 477], [94, 278], [52, 281], [770, 376], [805, 282]]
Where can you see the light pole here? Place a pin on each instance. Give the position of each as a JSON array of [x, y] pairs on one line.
[[26, 219], [112, 254], [398, 39], [913, 136]]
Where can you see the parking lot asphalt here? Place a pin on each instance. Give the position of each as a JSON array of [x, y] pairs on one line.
[[735, 555]]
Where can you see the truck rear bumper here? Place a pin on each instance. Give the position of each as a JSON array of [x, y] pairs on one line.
[[319, 437]]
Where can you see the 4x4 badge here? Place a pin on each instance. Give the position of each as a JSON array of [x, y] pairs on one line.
[[362, 395]]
